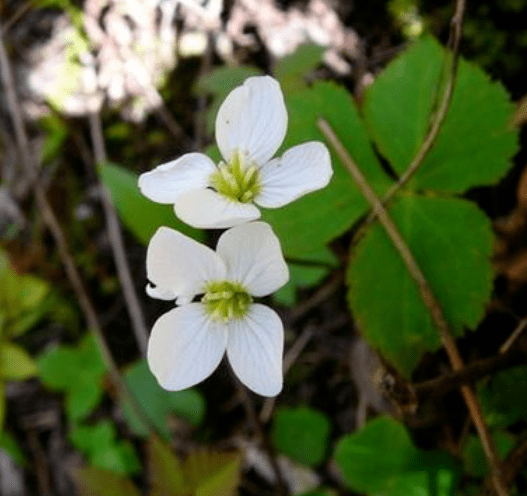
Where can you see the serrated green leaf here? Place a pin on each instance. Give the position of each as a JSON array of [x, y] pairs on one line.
[[292, 69], [382, 461], [451, 240], [475, 143], [213, 474], [334, 209], [139, 214], [302, 434], [157, 403], [95, 482], [501, 404], [15, 363], [397, 106], [474, 457], [166, 475]]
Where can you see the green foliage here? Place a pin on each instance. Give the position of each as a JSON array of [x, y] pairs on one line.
[[292, 69], [334, 209], [22, 305], [475, 461], [92, 481], [302, 434], [9, 444], [77, 371], [454, 259], [157, 403], [104, 451], [381, 460], [397, 109], [140, 215], [203, 473], [500, 399], [450, 238]]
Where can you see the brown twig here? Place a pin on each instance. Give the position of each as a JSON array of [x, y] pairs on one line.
[[429, 300], [454, 40], [505, 347], [116, 241], [472, 372], [30, 169], [258, 427]]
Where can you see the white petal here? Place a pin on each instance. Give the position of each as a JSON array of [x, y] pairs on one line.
[[178, 265], [253, 119], [160, 293], [254, 348], [166, 182], [185, 347], [253, 257], [300, 170], [207, 209]]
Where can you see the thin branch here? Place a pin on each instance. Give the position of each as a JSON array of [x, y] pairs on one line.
[[258, 427], [429, 300], [454, 40], [505, 347], [472, 372], [116, 241], [30, 168]]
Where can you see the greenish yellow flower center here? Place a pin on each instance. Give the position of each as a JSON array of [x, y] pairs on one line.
[[236, 179], [225, 300]]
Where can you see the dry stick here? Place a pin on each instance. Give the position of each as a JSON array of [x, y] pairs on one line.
[[257, 424], [30, 168], [429, 300], [116, 241], [456, 29]]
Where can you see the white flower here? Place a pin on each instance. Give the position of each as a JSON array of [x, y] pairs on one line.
[[188, 342], [250, 127]]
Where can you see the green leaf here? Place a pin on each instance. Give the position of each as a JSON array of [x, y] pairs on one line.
[[500, 401], [166, 474], [99, 444], [292, 69], [15, 363], [302, 434], [82, 399], [381, 460], [455, 260], [95, 482], [2, 404], [397, 106], [213, 474], [397, 109], [157, 403], [476, 463], [334, 209], [139, 214], [78, 371], [475, 132]]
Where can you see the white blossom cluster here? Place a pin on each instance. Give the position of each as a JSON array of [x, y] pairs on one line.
[[214, 290]]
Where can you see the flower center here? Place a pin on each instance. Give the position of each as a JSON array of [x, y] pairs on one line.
[[225, 300], [236, 180]]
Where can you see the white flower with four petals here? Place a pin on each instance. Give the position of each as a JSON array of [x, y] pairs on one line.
[[188, 342], [250, 127]]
